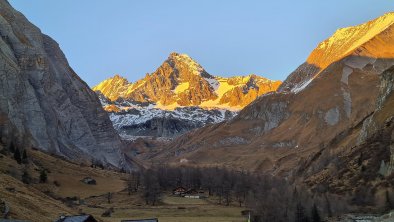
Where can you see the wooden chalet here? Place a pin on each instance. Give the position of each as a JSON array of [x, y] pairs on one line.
[[179, 191], [77, 218]]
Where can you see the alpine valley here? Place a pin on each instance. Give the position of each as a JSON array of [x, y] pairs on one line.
[[181, 144]]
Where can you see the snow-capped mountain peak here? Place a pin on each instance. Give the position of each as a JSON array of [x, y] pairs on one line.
[[179, 94]]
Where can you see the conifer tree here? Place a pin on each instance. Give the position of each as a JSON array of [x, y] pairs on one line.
[[17, 156], [389, 204], [300, 214], [24, 156], [315, 214], [43, 176], [12, 147], [26, 177]]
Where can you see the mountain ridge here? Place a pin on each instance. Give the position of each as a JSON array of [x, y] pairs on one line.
[[279, 130], [353, 40], [180, 81]]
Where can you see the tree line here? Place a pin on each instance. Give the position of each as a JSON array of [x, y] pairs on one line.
[[20, 155], [269, 198]]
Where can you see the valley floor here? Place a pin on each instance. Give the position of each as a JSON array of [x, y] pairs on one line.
[[172, 209]]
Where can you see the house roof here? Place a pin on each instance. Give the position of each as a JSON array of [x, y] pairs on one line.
[[180, 188], [78, 218], [142, 220], [11, 220]]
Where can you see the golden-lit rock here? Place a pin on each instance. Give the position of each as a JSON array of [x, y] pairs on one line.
[[113, 88], [371, 40], [357, 40], [182, 82]]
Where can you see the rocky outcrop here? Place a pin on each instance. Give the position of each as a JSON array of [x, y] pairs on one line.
[[113, 88], [43, 102], [298, 77], [384, 108], [243, 94]]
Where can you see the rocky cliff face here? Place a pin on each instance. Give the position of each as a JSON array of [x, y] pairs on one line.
[[178, 97], [368, 163], [324, 99], [43, 102], [384, 111]]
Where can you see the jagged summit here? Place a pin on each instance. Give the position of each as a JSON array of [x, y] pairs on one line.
[[185, 64], [180, 82], [114, 87]]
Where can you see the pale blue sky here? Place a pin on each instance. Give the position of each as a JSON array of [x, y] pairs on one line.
[[131, 38]]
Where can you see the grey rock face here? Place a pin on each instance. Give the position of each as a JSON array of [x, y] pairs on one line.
[[43, 102], [371, 125], [386, 87], [332, 116], [228, 141], [161, 127], [301, 75], [271, 108]]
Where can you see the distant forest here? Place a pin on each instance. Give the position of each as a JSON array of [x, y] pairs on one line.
[[269, 198]]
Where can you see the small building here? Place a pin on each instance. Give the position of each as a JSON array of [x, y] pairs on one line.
[[192, 192], [142, 220], [194, 196], [89, 181], [12, 220], [179, 191], [77, 218], [4, 209]]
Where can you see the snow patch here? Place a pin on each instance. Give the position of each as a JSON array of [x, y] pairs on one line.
[[181, 87], [347, 102], [332, 116], [345, 74], [194, 67], [298, 88]]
